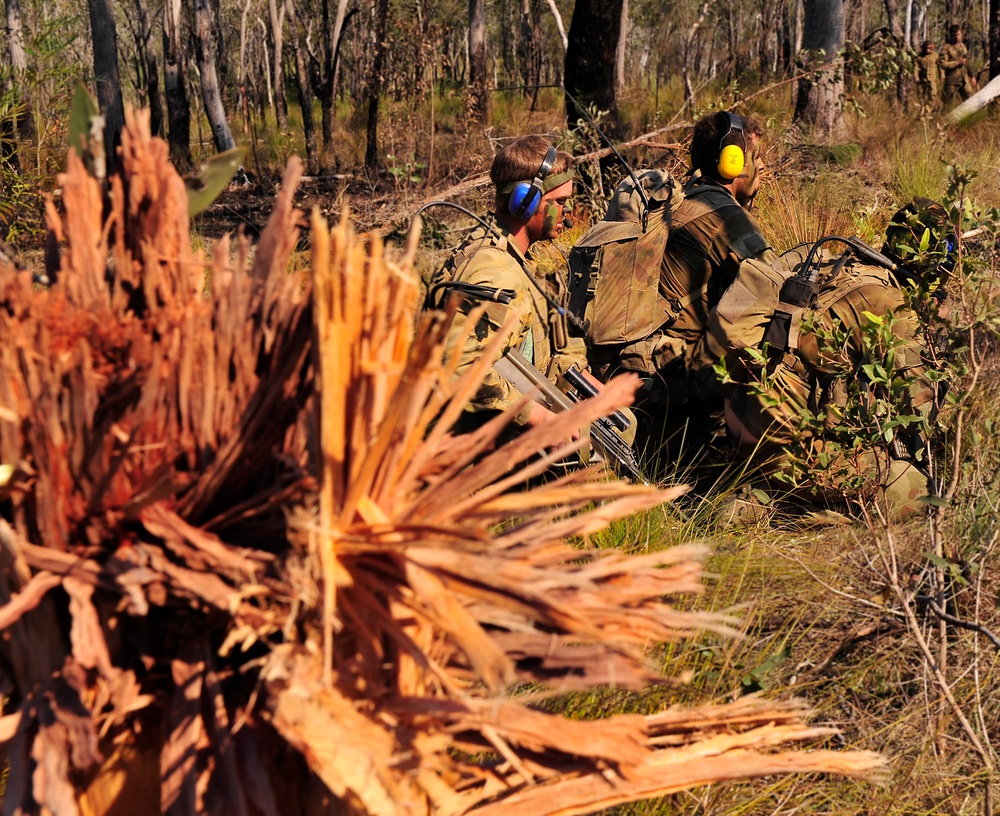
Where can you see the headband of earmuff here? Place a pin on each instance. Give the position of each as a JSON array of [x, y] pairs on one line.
[[732, 156], [525, 196]]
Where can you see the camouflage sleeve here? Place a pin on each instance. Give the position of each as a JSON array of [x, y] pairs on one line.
[[491, 267]]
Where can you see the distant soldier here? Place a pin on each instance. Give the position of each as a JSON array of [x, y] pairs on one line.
[[958, 83], [711, 234], [928, 76], [794, 371]]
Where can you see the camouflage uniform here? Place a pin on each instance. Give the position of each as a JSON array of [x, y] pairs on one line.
[[955, 71], [929, 79], [489, 259], [810, 379], [711, 234]]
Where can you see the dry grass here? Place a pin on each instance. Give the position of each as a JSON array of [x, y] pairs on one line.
[[245, 565]]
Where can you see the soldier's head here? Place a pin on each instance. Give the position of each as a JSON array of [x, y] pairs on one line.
[[534, 182], [955, 34], [921, 239], [725, 146], [926, 48]]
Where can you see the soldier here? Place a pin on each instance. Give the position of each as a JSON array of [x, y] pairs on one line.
[[954, 62], [795, 374], [928, 76], [534, 183], [712, 232]]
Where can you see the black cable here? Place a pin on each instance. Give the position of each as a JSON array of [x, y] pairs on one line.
[[571, 318]]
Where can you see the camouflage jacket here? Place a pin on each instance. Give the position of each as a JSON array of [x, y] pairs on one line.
[[928, 72], [710, 236], [489, 259], [951, 62]]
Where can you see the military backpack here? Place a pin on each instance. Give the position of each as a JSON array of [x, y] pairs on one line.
[[614, 270]]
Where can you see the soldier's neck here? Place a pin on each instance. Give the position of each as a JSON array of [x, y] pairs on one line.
[[517, 232]]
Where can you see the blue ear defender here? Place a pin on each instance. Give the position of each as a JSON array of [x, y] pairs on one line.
[[732, 157], [525, 197]]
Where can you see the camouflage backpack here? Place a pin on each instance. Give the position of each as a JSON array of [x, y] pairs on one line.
[[746, 314], [614, 270]]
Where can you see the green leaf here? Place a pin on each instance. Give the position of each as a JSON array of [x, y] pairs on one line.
[[934, 501], [82, 111], [752, 680], [217, 172], [937, 560]]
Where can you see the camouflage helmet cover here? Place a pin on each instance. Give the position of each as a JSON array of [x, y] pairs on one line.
[[921, 239]]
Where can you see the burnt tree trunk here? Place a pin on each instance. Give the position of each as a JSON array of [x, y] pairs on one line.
[[993, 36], [590, 59], [109, 88], [152, 71], [175, 87], [375, 82], [304, 88]]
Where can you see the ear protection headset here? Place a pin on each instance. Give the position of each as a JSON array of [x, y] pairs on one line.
[[525, 197], [732, 157]]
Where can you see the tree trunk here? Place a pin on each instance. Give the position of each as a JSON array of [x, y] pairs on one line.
[[328, 99], [559, 24], [280, 104], [994, 38], [175, 87], [590, 58], [305, 90], [148, 52], [211, 97], [531, 53], [819, 104], [242, 68], [109, 89], [686, 66], [620, 52], [478, 103], [19, 64], [375, 82]]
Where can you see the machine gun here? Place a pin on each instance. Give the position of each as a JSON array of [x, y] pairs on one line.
[[605, 433]]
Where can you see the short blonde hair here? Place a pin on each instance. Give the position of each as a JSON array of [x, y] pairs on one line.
[[520, 160]]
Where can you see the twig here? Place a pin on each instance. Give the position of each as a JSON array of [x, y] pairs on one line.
[[964, 624]]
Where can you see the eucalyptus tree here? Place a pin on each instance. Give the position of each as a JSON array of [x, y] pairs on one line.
[[211, 95], [820, 92]]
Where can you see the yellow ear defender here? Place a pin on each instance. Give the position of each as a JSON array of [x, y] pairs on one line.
[[732, 157]]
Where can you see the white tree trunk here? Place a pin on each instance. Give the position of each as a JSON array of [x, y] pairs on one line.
[[979, 100], [559, 24], [620, 52], [211, 97]]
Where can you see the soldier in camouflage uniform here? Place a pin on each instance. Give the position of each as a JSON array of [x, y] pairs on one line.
[[782, 410], [712, 232], [955, 64], [928, 76], [497, 259]]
